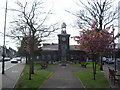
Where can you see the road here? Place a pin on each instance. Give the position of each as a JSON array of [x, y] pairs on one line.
[[113, 65], [8, 65]]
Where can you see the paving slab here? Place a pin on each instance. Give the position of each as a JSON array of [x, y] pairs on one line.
[[63, 77], [106, 73], [9, 79]]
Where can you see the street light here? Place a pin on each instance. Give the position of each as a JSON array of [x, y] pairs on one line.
[[114, 55], [3, 62]]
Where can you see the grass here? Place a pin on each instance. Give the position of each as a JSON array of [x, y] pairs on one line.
[[87, 79], [41, 75], [37, 79], [52, 64], [89, 66]]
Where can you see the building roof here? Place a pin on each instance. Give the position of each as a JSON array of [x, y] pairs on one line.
[[50, 47], [72, 47], [55, 47]]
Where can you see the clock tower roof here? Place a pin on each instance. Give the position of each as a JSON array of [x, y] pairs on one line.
[[63, 28]]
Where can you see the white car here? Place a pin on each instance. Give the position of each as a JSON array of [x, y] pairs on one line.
[[7, 59], [118, 59], [104, 59], [110, 60], [1, 58], [18, 58], [14, 60]]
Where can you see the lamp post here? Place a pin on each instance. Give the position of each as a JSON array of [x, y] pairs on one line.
[[114, 55], [3, 62]]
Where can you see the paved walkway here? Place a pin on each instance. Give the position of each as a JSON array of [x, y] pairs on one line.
[[63, 77], [11, 76], [0, 81], [106, 72]]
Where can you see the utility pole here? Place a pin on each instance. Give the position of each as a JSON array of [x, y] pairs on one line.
[[3, 62], [114, 50]]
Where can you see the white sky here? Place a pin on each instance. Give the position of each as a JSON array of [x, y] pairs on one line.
[[58, 7]]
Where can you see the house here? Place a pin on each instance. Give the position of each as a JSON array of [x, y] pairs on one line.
[[9, 52]]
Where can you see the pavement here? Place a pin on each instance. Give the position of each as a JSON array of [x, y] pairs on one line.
[[0, 81], [12, 75], [8, 65], [106, 72], [63, 77]]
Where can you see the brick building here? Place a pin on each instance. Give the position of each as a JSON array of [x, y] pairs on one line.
[[61, 51]]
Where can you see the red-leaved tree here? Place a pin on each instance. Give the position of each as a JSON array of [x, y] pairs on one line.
[[95, 42]]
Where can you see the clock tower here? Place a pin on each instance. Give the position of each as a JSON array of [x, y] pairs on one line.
[[63, 47]]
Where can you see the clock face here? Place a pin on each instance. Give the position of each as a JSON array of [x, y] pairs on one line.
[[63, 39]]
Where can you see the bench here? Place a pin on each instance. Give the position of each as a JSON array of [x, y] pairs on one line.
[[113, 76], [84, 64], [43, 66]]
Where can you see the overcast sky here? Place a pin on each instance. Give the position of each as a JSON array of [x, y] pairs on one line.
[[58, 8]]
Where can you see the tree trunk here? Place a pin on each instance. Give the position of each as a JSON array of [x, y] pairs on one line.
[[101, 64], [32, 53], [93, 70], [29, 58], [26, 60], [32, 66], [100, 22], [94, 66]]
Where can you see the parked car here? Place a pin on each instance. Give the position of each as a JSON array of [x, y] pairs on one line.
[[7, 59], [118, 59], [18, 58], [14, 60], [110, 60], [1, 58], [104, 59]]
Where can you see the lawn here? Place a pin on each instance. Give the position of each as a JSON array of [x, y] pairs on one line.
[[37, 79], [87, 79], [89, 66]]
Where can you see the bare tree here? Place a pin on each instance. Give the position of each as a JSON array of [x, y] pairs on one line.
[[31, 22], [101, 11]]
